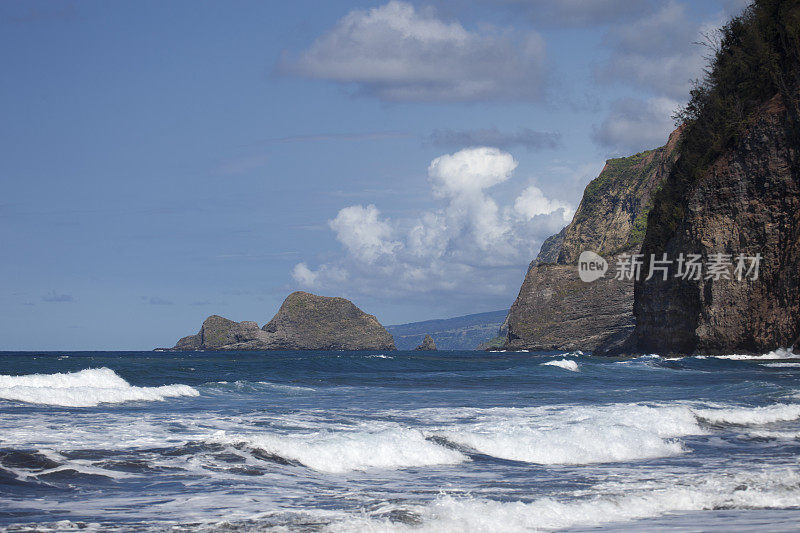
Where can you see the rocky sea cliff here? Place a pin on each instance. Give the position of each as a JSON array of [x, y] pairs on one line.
[[725, 189]]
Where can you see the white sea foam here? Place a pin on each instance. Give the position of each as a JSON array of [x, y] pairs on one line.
[[344, 451], [566, 364], [447, 513], [598, 434], [573, 445], [283, 386], [781, 365], [581, 436], [774, 435], [749, 416], [780, 353], [86, 388], [642, 360]]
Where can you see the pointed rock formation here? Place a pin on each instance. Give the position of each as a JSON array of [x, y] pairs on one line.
[[427, 344]]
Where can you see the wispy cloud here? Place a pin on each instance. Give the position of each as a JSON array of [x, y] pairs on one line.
[[64, 11], [657, 52], [634, 125], [577, 13], [248, 162], [157, 300], [344, 137], [524, 137], [248, 256], [241, 165], [55, 297]]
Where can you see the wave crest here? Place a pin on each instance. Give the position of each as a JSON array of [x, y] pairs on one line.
[[344, 451], [85, 388], [566, 364]]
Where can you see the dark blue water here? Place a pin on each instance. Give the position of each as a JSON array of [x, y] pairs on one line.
[[407, 441]]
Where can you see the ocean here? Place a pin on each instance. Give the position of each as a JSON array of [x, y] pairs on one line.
[[398, 441]]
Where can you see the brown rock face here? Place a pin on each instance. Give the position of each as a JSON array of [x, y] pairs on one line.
[[612, 215], [427, 344], [748, 202], [304, 322], [309, 322], [555, 310], [218, 333]]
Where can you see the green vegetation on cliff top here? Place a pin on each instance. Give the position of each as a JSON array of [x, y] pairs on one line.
[[627, 172]]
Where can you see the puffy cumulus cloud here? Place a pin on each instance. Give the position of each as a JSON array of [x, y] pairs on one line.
[[634, 125], [470, 171], [532, 202], [398, 53], [363, 233], [470, 243]]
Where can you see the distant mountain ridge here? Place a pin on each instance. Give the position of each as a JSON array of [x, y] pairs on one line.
[[457, 333]]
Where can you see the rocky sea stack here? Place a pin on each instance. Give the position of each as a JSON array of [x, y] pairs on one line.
[[304, 322], [427, 344]]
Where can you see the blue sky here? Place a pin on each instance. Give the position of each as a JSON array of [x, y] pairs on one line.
[[164, 161]]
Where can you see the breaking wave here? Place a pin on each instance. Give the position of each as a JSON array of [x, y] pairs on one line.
[[780, 353], [344, 451], [744, 416], [86, 388], [743, 491], [566, 364], [575, 445], [614, 433]]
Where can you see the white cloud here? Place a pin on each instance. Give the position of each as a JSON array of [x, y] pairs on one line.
[[396, 52], [304, 275], [532, 202], [470, 170], [470, 243], [312, 279], [363, 233]]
